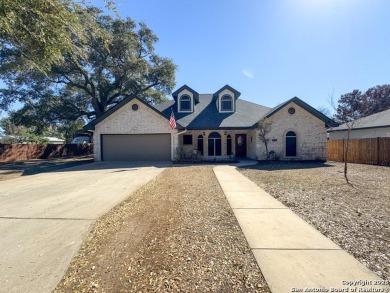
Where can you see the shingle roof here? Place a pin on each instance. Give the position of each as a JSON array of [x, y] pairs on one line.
[[91, 124], [206, 115], [378, 120]]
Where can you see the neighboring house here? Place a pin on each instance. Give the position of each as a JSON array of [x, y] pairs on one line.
[[54, 140], [211, 126], [376, 125]]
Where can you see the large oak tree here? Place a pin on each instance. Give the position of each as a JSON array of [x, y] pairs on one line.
[[113, 59], [41, 30]]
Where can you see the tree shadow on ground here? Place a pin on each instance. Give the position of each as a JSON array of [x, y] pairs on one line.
[[31, 167], [286, 165]]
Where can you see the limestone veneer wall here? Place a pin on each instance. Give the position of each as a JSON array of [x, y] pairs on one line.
[[310, 132], [127, 121]]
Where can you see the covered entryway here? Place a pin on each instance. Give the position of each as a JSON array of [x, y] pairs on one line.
[[136, 147]]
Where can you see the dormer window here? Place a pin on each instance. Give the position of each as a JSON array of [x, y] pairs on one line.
[[226, 103], [185, 103]]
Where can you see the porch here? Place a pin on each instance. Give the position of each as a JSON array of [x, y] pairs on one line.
[[216, 145]]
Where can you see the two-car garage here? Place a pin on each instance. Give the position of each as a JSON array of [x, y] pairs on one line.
[[136, 147]]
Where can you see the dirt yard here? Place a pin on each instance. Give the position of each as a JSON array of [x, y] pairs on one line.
[[176, 234], [10, 170], [356, 217]]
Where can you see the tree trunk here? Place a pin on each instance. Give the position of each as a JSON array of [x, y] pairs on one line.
[[346, 157]]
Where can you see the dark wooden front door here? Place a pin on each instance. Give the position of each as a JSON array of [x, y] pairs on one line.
[[240, 145]]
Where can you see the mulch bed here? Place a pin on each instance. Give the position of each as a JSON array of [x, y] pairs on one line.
[[356, 217], [175, 234]]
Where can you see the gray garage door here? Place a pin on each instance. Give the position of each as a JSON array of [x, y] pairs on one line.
[[136, 147]]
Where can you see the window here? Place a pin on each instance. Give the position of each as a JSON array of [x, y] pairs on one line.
[[226, 103], [291, 110], [185, 104], [200, 144], [229, 145], [215, 144], [291, 144], [187, 139]]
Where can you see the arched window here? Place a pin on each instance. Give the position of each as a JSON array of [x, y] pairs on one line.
[[226, 103], [214, 144], [200, 144], [291, 144], [229, 145], [185, 103]]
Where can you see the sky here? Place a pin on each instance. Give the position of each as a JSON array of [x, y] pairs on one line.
[[271, 50]]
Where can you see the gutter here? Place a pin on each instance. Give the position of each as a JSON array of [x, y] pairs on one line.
[[184, 131]]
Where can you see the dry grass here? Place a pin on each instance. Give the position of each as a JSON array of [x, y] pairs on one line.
[[176, 234], [356, 217]]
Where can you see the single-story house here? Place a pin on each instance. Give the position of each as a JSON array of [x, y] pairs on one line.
[[210, 126], [375, 125]]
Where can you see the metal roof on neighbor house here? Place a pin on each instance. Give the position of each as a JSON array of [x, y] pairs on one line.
[[378, 120]]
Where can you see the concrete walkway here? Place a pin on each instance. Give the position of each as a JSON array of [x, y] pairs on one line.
[[44, 218], [290, 252]]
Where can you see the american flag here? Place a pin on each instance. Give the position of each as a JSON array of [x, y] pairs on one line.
[[172, 121]]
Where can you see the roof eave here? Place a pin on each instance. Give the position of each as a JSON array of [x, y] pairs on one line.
[[91, 125]]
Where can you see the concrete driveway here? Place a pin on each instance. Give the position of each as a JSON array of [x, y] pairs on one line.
[[44, 218]]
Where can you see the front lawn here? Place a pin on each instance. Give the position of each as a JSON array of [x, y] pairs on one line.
[[356, 217]]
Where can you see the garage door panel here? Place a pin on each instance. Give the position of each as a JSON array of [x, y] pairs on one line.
[[136, 147]]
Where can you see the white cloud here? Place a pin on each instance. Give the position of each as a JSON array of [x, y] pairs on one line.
[[248, 73]]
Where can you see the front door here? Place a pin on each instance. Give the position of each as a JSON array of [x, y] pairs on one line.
[[240, 145]]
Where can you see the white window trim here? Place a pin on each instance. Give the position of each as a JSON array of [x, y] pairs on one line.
[[191, 103], [220, 104]]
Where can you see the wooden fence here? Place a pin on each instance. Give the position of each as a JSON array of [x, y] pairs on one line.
[[373, 151], [20, 152]]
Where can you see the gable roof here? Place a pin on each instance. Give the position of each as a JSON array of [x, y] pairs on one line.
[[186, 87], [377, 120], [328, 122], [206, 115], [228, 87], [91, 125]]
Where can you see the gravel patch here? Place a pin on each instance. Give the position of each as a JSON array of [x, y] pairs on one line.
[[175, 234], [356, 217]]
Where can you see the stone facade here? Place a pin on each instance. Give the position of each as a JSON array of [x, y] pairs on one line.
[[127, 121], [310, 133], [187, 150]]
